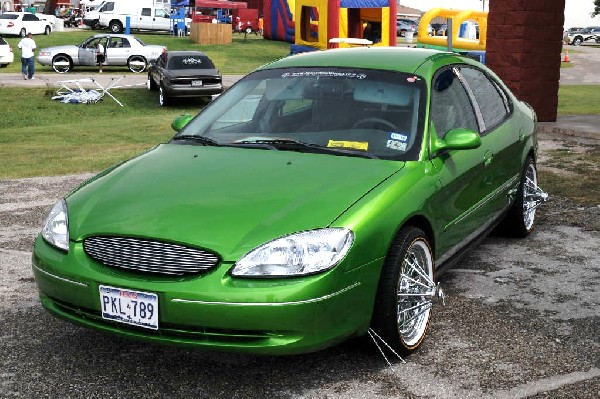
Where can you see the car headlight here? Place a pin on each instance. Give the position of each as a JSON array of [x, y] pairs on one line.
[[56, 228], [298, 254], [45, 54]]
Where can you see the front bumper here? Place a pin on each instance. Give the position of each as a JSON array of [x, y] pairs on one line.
[[214, 311]]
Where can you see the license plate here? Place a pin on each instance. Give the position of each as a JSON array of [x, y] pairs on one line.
[[196, 83], [129, 307]]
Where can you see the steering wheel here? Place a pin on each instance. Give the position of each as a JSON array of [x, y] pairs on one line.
[[375, 121]]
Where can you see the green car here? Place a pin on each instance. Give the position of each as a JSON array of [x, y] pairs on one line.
[[316, 200]]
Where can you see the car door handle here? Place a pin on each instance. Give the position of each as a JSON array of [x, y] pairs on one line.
[[487, 158]]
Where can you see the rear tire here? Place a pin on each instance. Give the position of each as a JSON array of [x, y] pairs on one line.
[[137, 64], [115, 27], [47, 31], [520, 220], [402, 310], [23, 33], [163, 98]]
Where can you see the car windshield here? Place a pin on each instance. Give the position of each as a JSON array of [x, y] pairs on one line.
[[190, 62], [377, 113]]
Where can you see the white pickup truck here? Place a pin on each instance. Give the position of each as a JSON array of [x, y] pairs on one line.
[[143, 18]]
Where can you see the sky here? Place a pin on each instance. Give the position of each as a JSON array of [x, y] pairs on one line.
[[577, 12]]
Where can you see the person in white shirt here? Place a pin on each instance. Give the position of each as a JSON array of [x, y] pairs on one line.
[[27, 46], [100, 56]]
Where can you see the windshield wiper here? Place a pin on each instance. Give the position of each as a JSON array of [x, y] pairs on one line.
[[295, 145], [198, 139]]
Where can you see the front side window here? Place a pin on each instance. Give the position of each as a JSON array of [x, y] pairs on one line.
[[160, 13], [450, 104], [377, 113]]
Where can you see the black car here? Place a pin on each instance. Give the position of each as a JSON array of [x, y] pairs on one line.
[[183, 74]]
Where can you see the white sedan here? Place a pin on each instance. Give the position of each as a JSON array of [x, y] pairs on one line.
[[22, 23], [119, 50], [6, 54]]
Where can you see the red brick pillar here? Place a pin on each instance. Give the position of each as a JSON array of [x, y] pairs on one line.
[[524, 42]]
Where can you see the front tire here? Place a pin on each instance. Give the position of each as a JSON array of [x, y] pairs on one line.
[[248, 30], [406, 289], [577, 41], [23, 32], [150, 84], [62, 63], [136, 64]]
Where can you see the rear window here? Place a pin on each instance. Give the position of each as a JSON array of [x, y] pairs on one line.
[[190, 62]]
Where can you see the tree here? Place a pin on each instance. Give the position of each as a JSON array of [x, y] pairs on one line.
[[596, 8]]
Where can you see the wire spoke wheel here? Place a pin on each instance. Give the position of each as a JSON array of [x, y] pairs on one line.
[[61, 64], [406, 292], [530, 201], [136, 64], [415, 293]]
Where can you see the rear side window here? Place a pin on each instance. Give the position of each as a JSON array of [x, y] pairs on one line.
[[492, 101], [30, 17], [9, 16], [146, 12]]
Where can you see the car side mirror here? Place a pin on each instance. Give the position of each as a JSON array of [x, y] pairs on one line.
[[456, 139], [180, 122]]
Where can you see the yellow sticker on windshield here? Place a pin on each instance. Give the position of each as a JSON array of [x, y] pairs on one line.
[[355, 145]]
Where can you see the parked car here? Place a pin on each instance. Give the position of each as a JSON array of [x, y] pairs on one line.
[[404, 25], [578, 37], [119, 50], [316, 199], [183, 74], [6, 54], [21, 23]]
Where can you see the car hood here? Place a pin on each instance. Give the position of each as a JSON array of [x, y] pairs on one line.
[[228, 200]]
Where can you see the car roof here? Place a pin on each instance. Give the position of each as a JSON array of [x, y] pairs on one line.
[[113, 35], [401, 59]]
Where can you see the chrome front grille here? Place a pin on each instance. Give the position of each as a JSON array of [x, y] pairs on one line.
[[149, 256]]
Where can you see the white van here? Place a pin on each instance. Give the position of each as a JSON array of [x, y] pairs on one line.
[[125, 7]]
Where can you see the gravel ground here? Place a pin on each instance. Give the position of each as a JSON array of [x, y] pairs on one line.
[[521, 321]]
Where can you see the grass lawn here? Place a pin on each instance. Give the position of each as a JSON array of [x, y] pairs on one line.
[[240, 57], [41, 137], [579, 100]]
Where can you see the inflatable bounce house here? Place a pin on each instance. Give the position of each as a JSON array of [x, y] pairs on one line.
[[312, 23], [461, 40]]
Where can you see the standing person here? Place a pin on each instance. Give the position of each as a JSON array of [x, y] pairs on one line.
[[27, 46], [100, 56]]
